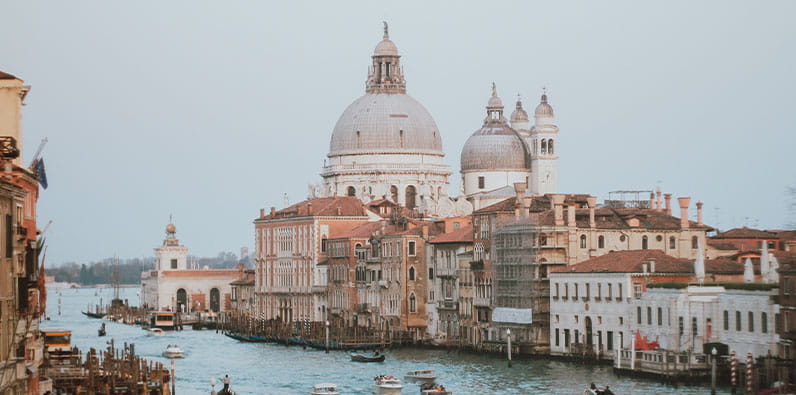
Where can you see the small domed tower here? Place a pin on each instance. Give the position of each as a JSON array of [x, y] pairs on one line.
[[171, 255], [519, 120], [544, 150]]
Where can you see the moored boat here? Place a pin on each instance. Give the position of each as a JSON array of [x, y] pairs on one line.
[[430, 389], [324, 389], [173, 351], [425, 376], [386, 385], [357, 357], [101, 331]]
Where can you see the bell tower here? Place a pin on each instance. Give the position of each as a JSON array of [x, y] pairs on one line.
[[544, 150]]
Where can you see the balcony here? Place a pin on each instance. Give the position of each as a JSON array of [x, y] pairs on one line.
[[449, 304], [481, 302], [446, 272], [363, 308], [384, 283], [585, 298]]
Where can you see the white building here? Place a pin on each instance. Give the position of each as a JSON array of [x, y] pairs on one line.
[[174, 286], [497, 156], [685, 319], [387, 145]]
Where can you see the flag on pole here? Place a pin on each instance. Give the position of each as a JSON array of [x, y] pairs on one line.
[[40, 173]]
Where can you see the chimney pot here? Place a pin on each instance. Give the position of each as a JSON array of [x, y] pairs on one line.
[[262, 213], [668, 197], [699, 213], [652, 200], [592, 202], [684, 203], [273, 211], [658, 200], [558, 207]]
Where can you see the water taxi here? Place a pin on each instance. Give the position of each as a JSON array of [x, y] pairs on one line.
[[324, 389], [57, 341], [155, 332], [164, 320], [173, 351], [387, 385], [425, 376]]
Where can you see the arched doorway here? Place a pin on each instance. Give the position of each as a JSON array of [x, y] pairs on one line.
[[411, 193], [589, 340], [215, 300], [182, 299]]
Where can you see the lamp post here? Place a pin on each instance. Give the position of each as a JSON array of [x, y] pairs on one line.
[[713, 373], [508, 340], [327, 336]]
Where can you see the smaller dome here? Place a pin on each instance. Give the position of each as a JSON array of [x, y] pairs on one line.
[[170, 228], [519, 114], [544, 109], [386, 48], [494, 101]]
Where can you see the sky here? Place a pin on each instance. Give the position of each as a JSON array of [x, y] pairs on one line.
[[210, 111]]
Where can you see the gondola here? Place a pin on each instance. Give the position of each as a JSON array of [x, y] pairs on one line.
[[240, 338], [93, 315], [357, 357]]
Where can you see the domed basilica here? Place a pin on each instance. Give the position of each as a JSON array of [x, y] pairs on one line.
[[386, 145]]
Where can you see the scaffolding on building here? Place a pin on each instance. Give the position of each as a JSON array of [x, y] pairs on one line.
[[629, 199]]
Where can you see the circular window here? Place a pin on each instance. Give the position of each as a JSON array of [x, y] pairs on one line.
[[622, 238], [659, 238]]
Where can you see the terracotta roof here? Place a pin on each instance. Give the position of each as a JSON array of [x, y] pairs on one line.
[[539, 203], [347, 206], [786, 235], [785, 258], [721, 245], [248, 279], [201, 273], [463, 235], [6, 76], [630, 262], [363, 231], [746, 233]]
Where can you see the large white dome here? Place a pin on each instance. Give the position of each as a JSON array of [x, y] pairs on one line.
[[385, 123]]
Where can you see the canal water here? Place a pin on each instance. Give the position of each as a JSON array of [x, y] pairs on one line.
[[263, 368]]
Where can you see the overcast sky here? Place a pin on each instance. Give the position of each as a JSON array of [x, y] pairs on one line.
[[212, 110]]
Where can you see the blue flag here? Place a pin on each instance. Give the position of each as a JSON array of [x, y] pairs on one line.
[[40, 173]]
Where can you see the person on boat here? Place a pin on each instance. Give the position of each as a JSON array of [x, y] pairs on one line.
[[607, 390], [225, 380]]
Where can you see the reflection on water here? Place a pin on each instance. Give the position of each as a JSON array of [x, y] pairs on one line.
[[259, 368]]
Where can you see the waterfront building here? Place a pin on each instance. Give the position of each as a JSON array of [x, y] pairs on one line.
[[450, 286], [786, 327], [291, 279], [683, 319], [177, 286], [22, 290], [386, 145], [242, 292], [593, 304]]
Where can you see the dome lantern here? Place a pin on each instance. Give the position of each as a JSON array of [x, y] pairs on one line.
[[385, 75]]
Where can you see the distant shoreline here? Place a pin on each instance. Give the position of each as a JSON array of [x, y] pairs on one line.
[[75, 285]]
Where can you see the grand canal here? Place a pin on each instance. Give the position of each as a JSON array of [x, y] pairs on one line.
[[258, 368]]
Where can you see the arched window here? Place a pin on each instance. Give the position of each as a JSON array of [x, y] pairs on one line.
[[694, 243], [672, 243], [550, 146], [544, 146], [352, 191], [644, 243], [582, 241], [412, 303], [359, 140], [215, 300], [411, 193], [412, 274], [601, 242], [394, 193]]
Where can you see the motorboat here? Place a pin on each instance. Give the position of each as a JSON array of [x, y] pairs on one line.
[[155, 332], [425, 376], [431, 389], [172, 351], [386, 385], [324, 389], [357, 357]]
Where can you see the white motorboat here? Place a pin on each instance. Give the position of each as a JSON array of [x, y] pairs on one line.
[[324, 389], [155, 332], [173, 351], [425, 376], [388, 385]]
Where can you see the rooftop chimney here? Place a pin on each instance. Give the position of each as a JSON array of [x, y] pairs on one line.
[[658, 200], [262, 213], [309, 208], [699, 213], [592, 201], [558, 207], [273, 211], [668, 197], [684, 202], [652, 200]]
